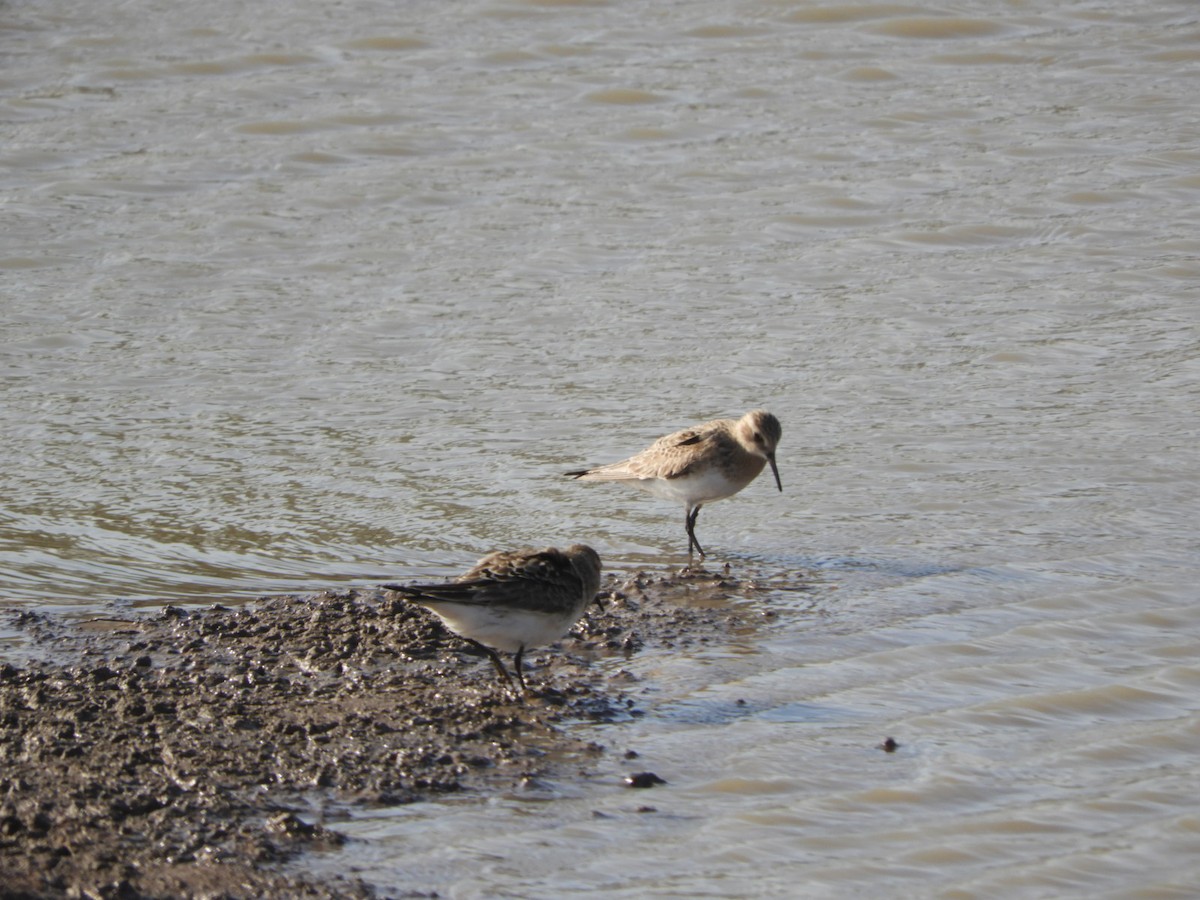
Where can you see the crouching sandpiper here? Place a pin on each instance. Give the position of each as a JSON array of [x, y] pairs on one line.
[[514, 600]]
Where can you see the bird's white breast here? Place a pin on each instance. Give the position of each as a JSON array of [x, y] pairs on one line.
[[697, 487], [504, 628]]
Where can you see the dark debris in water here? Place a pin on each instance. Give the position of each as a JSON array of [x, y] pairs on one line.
[[193, 752]]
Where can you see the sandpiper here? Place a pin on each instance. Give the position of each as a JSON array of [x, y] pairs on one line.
[[513, 600], [699, 464]]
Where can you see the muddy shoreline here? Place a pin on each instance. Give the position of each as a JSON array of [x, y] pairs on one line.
[[195, 752]]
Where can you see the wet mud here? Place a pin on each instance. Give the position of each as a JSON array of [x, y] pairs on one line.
[[197, 752]]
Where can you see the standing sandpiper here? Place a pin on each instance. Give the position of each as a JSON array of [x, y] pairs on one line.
[[699, 464], [513, 600]]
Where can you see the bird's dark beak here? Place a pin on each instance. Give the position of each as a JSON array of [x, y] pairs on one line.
[[775, 472]]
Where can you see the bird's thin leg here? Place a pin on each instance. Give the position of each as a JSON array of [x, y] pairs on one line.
[[497, 662], [517, 657], [690, 521]]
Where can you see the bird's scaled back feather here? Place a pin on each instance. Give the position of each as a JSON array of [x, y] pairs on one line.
[[516, 579], [668, 457]]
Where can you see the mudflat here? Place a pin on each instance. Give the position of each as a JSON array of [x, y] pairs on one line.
[[195, 751]]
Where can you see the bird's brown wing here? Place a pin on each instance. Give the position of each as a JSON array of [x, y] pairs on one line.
[[528, 580], [672, 456]]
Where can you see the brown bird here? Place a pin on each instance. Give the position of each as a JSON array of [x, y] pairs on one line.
[[513, 600], [699, 464]]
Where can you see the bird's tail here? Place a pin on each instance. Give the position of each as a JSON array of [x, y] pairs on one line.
[[611, 472]]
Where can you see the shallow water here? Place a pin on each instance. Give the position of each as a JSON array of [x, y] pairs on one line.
[[299, 296]]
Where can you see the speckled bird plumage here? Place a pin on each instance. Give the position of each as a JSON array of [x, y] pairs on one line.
[[513, 600]]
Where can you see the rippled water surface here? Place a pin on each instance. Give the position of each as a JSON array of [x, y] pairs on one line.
[[300, 294]]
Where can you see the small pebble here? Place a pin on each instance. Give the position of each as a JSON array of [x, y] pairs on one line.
[[643, 780], [889, 745]]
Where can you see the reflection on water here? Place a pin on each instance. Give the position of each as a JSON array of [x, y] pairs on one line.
[[293, 302]]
